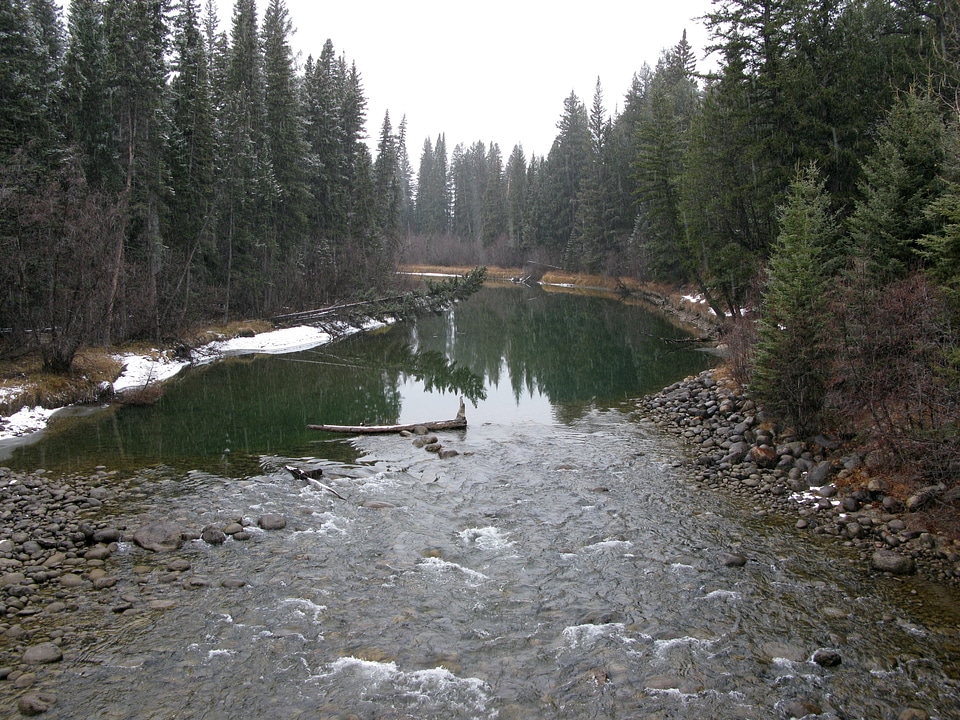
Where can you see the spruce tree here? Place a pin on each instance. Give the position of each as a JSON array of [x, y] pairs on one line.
[[792, 352], [284, 135], [901, 177], [191, 161], [89, 124]]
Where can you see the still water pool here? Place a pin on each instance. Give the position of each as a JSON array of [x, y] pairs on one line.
[[560, 566]]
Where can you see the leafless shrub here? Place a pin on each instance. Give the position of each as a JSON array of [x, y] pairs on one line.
[[896, 372], [739, 336]]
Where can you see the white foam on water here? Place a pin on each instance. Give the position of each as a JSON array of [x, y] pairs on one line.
[[729, 595], [610, 544], [586, 635], [487, 538], [662, 647], [430, 691], [306, 608], [440, 566], [211, 654]]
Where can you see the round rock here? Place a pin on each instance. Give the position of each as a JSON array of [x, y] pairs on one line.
[[159, 536], [43, 654], [272, 521], [827, 658], [892, 562], [36, 703], [731, 559], [213, 535]]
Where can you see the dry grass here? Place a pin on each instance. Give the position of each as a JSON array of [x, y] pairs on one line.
[[24, 382]]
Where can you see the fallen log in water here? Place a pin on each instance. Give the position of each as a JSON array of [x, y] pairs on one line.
[[308, 477], [459, 422]]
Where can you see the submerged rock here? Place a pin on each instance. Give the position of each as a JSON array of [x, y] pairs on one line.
[[272, 521], [36, 703], [892, 562], [159, 536]]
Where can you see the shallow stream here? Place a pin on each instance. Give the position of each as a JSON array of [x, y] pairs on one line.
[[560, 566]]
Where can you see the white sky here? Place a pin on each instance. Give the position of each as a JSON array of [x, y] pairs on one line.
[[496, 71]]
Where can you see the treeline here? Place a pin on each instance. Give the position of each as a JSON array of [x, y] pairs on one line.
[[683, 182], [155, 170], [809, 188]]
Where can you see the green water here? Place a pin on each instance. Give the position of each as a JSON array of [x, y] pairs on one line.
[[514, 353]]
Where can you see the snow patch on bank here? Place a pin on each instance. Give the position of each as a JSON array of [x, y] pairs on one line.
[[141, 370]]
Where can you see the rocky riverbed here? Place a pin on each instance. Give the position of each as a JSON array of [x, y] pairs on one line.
[[60, 584], [737, 451]]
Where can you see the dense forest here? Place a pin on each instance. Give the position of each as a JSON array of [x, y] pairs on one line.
[[156, 170]]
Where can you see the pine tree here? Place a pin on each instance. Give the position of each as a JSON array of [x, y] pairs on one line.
[[388, 192], [792, 352], [663, 133], [137, 46], [248, 181], [89, 123], [516, 180], [590, 239], [405, 179], [564, 170], [284, 134], [191, 160], [900, 179], [26, 72]]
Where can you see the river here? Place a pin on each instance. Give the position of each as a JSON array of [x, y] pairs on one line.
[[561, 565]]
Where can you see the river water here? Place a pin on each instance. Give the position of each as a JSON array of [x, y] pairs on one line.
[[560, 566]]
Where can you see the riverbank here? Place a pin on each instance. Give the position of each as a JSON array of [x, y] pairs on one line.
[[681, 304], [832, 491], [139, 374]]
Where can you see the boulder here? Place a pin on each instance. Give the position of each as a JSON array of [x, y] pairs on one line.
[[923, 497], [827, 658], [892, 562], [42, 654], [731, 559], [764, 456], [818, 476], [272, 521], [159, 536], [212, 535], [36, 703]]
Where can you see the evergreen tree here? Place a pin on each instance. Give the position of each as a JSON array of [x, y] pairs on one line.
[[591, 237], [388, 191], [564, 170], [191, 160], [284, 135], [26, 71], [405, 179], [516, 190], [663, 131], [494, 197], [247, 177], [792, 352], [89, 124], [900, 179], [137, 46], [433, 189]]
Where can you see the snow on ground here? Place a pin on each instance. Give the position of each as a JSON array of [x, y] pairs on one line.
[[140, 370]]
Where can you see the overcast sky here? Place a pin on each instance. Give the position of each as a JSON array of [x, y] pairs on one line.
[[495, 71]]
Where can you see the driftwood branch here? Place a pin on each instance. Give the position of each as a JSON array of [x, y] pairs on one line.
[[459, 422], [308, 477]]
